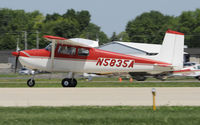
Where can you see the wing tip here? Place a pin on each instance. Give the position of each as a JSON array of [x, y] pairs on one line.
[[54, 37]]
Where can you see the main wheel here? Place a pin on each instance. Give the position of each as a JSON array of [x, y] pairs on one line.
[[73, 83], [31, 82], [65, 82], [69, 82]]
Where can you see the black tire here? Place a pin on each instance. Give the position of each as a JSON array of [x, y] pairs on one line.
[[31, 82], [66, 82], [198, 77], [73, 83]]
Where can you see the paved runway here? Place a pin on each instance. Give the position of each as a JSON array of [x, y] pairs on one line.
[[180, 96]]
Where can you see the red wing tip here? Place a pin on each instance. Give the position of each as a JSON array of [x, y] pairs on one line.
[[54, 37], [174, 32]]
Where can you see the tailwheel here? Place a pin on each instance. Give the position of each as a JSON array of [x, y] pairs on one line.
[[67, 82], [31, 82]]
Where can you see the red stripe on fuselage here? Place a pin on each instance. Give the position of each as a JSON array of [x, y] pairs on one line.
[[94, 54], [38, 52], [107, 54]]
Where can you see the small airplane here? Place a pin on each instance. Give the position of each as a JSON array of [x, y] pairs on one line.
[[192, 71], [79, 56]]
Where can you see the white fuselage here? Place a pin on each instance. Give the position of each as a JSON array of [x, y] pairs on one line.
[[82, 65]]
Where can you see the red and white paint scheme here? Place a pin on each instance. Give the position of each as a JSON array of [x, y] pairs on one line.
[[70, 55], [193, 71]]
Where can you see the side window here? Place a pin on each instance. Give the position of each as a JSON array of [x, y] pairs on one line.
[[83, 52], [198, 67], [67, 50]]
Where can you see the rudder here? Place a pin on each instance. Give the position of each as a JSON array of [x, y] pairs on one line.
[[172, 49]]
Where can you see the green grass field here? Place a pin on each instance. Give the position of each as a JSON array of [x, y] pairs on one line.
[[123, 115], [105, 84], [98, 115], [15, 80], [96, 83], [100, 82]]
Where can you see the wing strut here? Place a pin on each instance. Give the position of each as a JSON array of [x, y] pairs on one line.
[[52, 54]]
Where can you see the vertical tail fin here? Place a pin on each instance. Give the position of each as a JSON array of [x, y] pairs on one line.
[[172, 49]]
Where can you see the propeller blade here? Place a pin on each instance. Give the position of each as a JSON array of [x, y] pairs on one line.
[[16, 61]]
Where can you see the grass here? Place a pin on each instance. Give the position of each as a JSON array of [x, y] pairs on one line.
[[83, 83], [93, 115], [97, 115], [9, 75], [14, 80]]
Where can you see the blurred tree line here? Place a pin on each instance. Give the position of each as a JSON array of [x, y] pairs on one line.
[[148, 27], [72, 24]]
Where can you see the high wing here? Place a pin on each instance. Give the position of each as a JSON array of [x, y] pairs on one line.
[[73, 41]]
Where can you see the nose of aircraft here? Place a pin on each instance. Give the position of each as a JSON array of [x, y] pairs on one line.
[[15, 53]]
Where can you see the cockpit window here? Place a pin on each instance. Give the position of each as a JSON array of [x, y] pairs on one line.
[[67, 50], [83, 52], [48, 48], [198, 67]]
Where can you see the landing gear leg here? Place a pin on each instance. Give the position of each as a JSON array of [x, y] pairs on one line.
[[69, 82], [31, 81]]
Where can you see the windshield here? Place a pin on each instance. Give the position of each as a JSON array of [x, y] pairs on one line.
[[48, 48]]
